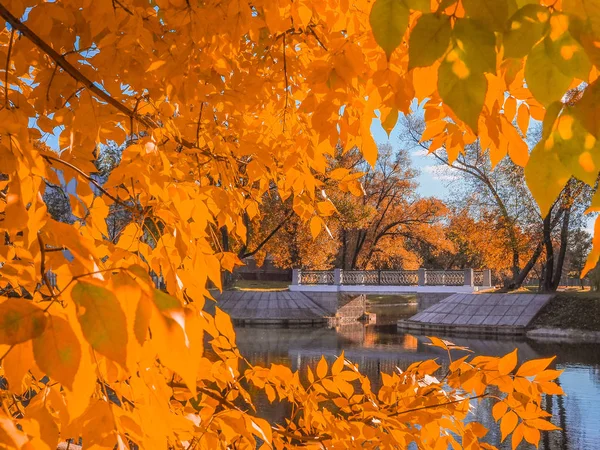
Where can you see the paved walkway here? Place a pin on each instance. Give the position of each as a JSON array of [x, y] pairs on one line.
[[479, 313], [275, 307]]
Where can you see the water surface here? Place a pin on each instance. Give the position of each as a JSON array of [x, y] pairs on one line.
[[381, 348]]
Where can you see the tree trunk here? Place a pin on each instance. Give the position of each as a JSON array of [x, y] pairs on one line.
[[564, 240], [344, 249], [516, 283], [549, 269], [226, 277]]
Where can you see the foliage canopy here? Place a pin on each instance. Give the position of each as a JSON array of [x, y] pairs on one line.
[[218, 102]]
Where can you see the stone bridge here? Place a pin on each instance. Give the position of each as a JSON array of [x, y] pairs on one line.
[[391, 281]]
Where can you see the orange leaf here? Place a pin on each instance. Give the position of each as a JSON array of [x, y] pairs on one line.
[[338, 365], [508, 424], [57, 351], [507, 363], [498, 410], [315, 226], [523, 118], [510, 108], [534, 367], [531, 435], [322, 368]]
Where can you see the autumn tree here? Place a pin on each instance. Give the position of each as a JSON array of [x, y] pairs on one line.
[[501, 189], [381, 222], [280, 234], [217, 103], [380, 228], [477, 242]]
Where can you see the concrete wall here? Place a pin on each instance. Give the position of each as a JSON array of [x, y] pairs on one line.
[[351, 307], [346, 307]]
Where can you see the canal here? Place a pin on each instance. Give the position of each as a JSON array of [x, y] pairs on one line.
[[380, 348]]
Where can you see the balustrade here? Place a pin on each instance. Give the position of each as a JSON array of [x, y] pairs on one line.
[[421, 277]]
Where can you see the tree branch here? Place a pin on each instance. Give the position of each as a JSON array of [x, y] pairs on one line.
[[269, 236]]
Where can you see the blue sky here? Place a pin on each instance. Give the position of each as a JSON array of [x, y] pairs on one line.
[[431, 182]]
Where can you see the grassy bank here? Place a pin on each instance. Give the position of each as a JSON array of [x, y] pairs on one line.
[[571, 309]]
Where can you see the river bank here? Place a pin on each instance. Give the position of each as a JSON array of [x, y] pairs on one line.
[[570, 316]]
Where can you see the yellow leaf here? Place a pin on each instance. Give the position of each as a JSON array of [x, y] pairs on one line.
[[594, 254], [57, 351], [102, 320]]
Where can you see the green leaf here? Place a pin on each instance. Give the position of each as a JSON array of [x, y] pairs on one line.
[[429, 40], [588, 10], [544, 79], [577, 149], [461, 80], [477, 43], [585, 110], [493, 13], [462, 89], [545, 175], [527, 26], [418, 5], [20, 321], [57, 351], [102, 320], [567, 54], [389, 20], [164, 301]]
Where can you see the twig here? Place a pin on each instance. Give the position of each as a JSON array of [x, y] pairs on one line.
[[90, 179], [10, 44], [286, 82], [199, 126], [420, 408], [312, 31], [43, 268]]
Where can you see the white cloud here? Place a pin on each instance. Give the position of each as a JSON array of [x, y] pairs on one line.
[[420, 152], [441, 173]]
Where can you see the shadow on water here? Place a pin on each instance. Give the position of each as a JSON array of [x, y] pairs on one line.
[[381, 349]]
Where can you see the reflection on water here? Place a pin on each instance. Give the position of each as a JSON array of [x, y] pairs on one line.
[[381, 349]]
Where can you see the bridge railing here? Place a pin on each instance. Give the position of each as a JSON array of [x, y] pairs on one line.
[[421, 277]]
